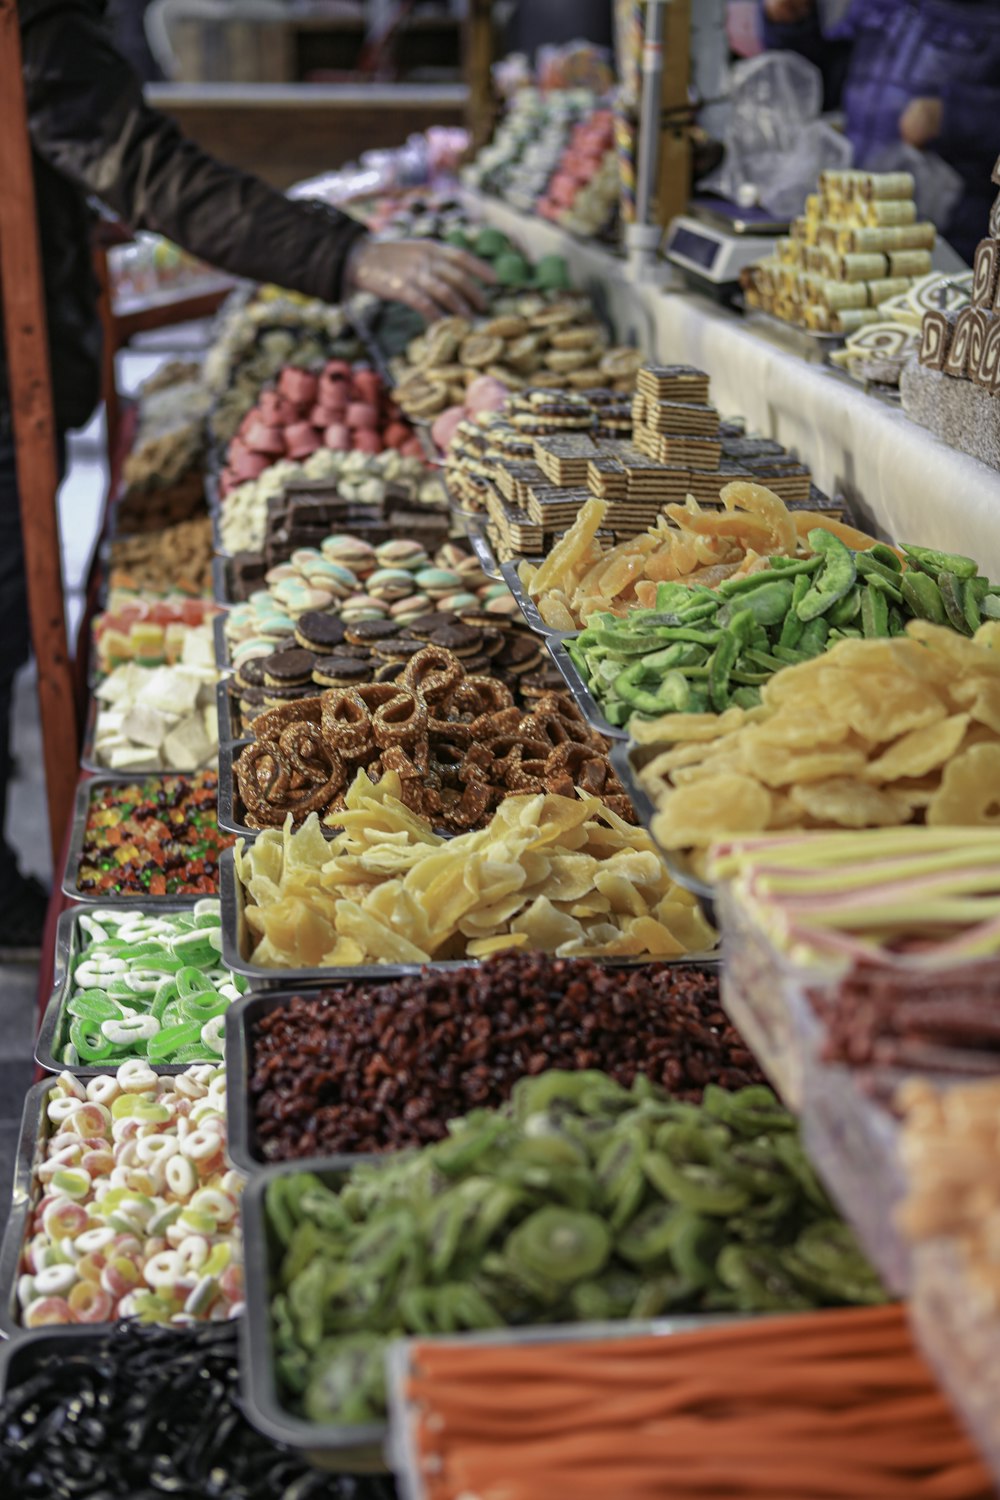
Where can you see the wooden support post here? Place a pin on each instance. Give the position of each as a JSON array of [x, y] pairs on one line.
[[674, 186], [479, 51], [34, 431]]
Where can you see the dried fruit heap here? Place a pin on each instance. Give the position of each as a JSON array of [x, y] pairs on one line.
[[579, 1200]]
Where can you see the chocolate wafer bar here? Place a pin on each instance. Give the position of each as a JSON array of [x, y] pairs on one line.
[[695, 452], [681, 416], [563, 459], [673, 383], [606, 478]]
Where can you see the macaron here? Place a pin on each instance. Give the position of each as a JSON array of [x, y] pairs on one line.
[[362, 607], [323, 574], [350, 552], [410, 608], [390, 584], [400, 553], [280, 572], [437, 582], [458, 600]]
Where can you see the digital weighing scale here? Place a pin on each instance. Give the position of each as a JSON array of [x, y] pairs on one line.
[[715, 239]]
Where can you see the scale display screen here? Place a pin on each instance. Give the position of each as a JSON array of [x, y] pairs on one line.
[[695, 247]]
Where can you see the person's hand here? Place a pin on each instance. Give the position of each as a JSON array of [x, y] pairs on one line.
[[434, 279], [921, 121], [784, 12]]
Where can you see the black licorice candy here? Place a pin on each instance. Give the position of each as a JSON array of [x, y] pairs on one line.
[[143, 1411]]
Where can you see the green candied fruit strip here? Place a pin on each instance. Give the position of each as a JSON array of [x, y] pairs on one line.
[[934, 562], [923, 596], [953, 596], [835, 579]]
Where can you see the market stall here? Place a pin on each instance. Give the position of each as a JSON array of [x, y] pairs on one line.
[[521, 1009]]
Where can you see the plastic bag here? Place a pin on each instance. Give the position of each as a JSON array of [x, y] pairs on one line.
[[776, 144], [937, 186]]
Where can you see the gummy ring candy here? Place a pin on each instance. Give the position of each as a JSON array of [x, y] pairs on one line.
[[130, 1029], [135, 1076]]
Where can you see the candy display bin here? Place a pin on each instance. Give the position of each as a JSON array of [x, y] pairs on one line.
[[959, 1332], [401, 1446], [342, 1449], [764, 995], [853, 1142]]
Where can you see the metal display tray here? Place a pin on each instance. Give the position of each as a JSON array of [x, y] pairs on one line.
[[627, 757], [349, 1450], [401, 1450], [578, 690], [19, 1356], [228, 753], [361, 1448], [222, 658], [241, 1140], [74, 853], [67, 948], [224, 709], [89, 764], [221, 590], [235, 946], [33, 1123], [484, 552], [527, 605]]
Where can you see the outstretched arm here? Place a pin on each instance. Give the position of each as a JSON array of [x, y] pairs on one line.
[[89, 120]]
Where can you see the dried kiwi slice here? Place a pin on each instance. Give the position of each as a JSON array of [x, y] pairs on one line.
[[347, 1384], [560, 1244]]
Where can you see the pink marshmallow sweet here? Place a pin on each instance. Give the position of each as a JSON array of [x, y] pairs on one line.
[[486, 393], [263, 439], [362, 414], [274, 409], [366, 440], [338, 437], [443, 428], [396, 434], [298, 385]]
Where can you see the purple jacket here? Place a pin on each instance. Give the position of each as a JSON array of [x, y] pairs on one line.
[[885, 53]]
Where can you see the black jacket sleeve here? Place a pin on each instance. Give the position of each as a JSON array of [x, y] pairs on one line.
[[88, 120]]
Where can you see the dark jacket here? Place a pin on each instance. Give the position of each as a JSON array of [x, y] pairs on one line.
[[885, 53], [93, 134]]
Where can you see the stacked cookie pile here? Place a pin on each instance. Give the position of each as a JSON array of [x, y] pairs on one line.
[[365, 478], [342, 408], [857, 244], [532, 465], [559, 344], [306, 513], [952, 386], [327, 652], [675, 425], [349, 578]]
